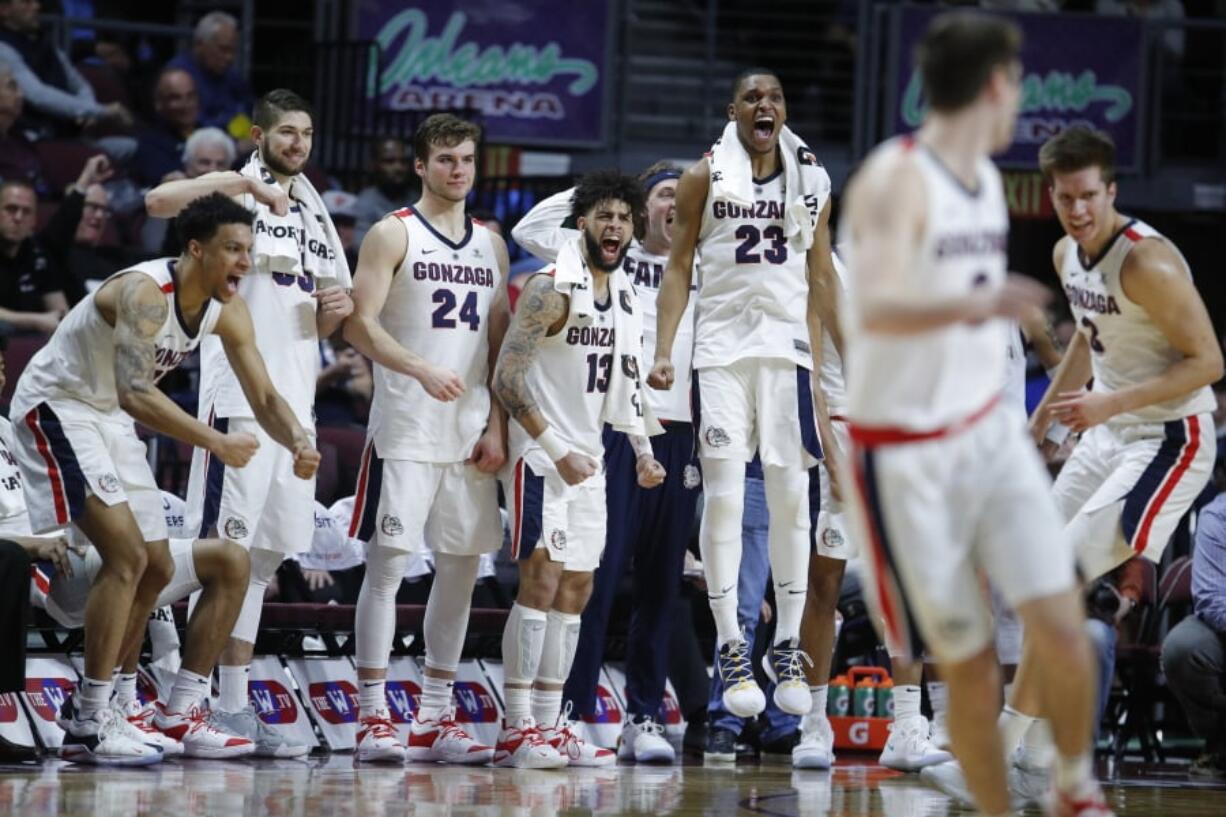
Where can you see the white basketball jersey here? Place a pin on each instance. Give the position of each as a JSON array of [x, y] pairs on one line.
[[437, 307], [1126, 347], [14, 521], [645, 271], [569, 379], [752, 282], [1015, 374], [926, 381], [830, 378], [78, 363], [283, 311]]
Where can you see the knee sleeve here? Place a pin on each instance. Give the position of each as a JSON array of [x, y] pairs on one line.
[[558, 652], [522, 642], [446, 621], [264, 564], [375, 617]]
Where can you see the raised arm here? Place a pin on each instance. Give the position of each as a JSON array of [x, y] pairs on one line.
[[540, 231], [270, 409], [540, 307], [886, 205], [674, 294], [168, 198], [140, 309], [382, 251]]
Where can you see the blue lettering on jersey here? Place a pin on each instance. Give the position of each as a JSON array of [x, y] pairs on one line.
[[167, 359], [977, 243], [590, 336], [1091, 301], [772, 210], [643, 273], [453, 274]]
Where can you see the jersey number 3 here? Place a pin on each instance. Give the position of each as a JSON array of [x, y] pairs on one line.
[[750, 237], [446, 301]]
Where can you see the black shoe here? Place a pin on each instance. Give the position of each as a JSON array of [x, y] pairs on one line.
[[781, 745], [695, 739], [721, 746], [1209, 766], [16, 753]]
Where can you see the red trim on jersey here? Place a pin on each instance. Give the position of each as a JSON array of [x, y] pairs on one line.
[[838, 418], [359, 501], [40, 579], [168, 287], [1132, 234], [518, 520], [476, 221], [53, 470], [403, 212], [885, 598], [907, 141], [871, 436], [1192, 424]]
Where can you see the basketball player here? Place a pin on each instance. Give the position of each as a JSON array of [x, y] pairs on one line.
[[650, 527], [82, 463], [764, 278], [909, 747], [565, 368], [1145, 339], [946, 482], [298, 293], [430, 311]]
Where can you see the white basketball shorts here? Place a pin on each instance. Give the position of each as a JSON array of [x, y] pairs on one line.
[[569, 521]]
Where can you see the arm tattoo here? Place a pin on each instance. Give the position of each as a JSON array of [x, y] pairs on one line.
[[137, 321], [539, 307]]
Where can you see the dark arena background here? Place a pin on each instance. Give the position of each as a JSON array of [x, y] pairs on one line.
[[560, 88]]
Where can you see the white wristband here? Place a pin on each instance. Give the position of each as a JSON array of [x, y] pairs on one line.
[[1057, 433], [552, 444]]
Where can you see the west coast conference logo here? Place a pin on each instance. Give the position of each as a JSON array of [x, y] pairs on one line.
[[8, 708], [428, 73], [403, 698], [474, 703], [272, 701], [607, 710], [47, 695], [335, 701]]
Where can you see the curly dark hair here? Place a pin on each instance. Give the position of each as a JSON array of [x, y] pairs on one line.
[[608, 185], [200, 219]]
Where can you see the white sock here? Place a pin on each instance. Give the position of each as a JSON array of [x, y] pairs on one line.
[[546, 705], [435, 697], [1074, 775], [232, 688], [372, 697], [1038, 743], [818, 694], [719, 540], [125, 687], [938, 696], [519, 705], [906, 702], [1012, 725], [92, 696], [188, 690]]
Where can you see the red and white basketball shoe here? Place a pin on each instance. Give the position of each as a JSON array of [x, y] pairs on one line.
[[200, 738], [524, 747], [377, 740], [577, 751], [442, 740]]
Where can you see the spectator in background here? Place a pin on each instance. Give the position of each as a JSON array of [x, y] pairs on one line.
[[393, 187], [31, 283], [342, 208], [225, 97], [344, 386], [18, 159], [89, 260], [331, 571], [205, 151], [160, 156], [1194, 652], [59, 102]]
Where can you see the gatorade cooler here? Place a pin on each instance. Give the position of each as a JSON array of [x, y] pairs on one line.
[[863, 731]]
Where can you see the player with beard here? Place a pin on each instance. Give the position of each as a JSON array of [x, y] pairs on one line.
[[298, 294], [650, 528], [555, 376], [430, 311], [766, 287], [82, 464]]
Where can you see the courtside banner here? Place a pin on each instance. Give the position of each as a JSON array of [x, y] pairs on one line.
[[403, 692], [1077, 69], [271, 691], [536, 72], [49, 680], [14, 727]]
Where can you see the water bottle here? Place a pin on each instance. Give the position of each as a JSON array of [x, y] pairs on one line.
[[885, 699], [838, 698], [864, 700]]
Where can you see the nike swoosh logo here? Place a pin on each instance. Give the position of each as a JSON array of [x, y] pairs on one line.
[[427, 252]]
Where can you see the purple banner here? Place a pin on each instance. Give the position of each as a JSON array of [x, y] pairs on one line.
[[1077, 70], [535, 71]]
